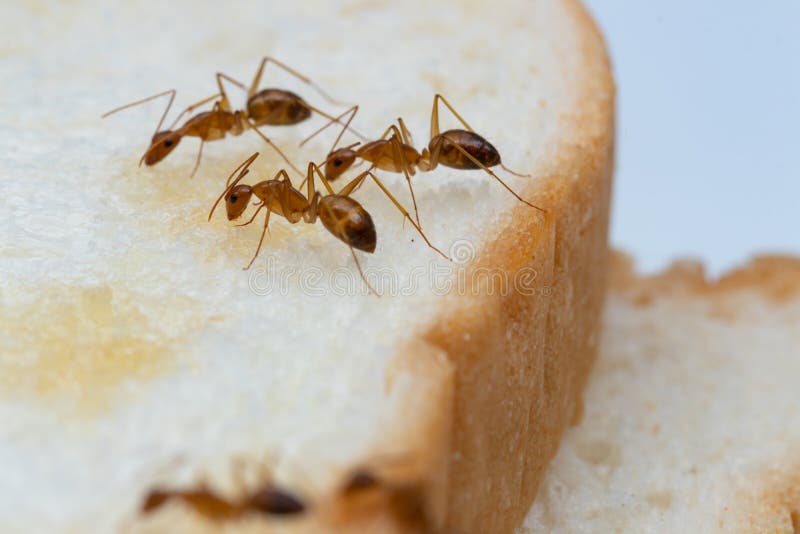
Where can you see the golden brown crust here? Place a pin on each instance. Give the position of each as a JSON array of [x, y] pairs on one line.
[[521, 361], [776, 278]]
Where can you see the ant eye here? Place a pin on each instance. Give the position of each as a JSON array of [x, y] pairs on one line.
[[168, 143], [234, 198], [337, 162]]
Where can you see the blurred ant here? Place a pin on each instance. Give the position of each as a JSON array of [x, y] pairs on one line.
[[404, 500], [340, 214], [267, 499], [274, 107], [457, 148]]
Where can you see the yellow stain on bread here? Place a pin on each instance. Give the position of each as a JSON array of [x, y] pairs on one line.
[[80, 345]]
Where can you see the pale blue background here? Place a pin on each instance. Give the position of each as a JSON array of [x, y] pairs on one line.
[[709, 128]]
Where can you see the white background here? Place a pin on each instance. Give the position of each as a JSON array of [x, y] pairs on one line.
[[708, 161]]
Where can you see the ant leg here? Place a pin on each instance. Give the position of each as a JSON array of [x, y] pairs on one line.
[[313, 169], [197, 162], [253, 218], [406, 134], [489, 172], [305, 79], [226, 104], [274, 146], [191, 108], [170, 92], [435, 127], [435, 115], [361, 272], [242, 169], [349, 187], [331, 119], [397, 149], [352, 111], [260, 241]]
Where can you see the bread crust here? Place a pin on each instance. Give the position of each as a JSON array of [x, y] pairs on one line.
[[774, 277], [521, 361]]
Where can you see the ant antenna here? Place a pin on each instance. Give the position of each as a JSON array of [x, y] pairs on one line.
[[170, 92], [244, 170]]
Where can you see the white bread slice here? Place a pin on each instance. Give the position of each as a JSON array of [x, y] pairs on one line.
[[137, 353], [692, 420]]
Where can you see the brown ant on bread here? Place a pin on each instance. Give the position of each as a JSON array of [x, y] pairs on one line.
[[267, 107], [462, 149], [266, 499], [339, 213], [365, 491]]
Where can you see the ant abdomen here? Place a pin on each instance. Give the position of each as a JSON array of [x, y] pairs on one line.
[[346, 219], [474, 144], [277, 107]]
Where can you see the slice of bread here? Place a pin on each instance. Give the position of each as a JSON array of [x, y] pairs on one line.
[[136, 353], [692, 420]]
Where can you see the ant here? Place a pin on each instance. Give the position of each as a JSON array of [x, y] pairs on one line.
[[457, 148], [340, 214], [274, 107], [404, 500], [267, 499]]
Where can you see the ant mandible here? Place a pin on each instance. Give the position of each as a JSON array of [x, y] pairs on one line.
[[271, 106], [340, 214], [462, 149]]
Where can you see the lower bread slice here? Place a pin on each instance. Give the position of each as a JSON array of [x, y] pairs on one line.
[[692, 420], [137, 355]]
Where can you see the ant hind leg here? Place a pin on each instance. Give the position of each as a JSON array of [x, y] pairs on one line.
[[356, 182], [435, 115], [493, 175], [305, 79]]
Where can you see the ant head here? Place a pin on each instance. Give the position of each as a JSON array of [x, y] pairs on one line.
[[338, 162], [236, 200], [161, 145], [154, 500]]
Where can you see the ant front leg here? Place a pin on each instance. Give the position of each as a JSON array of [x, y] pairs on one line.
[[216, 109], [253, 218], [261, 239]]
